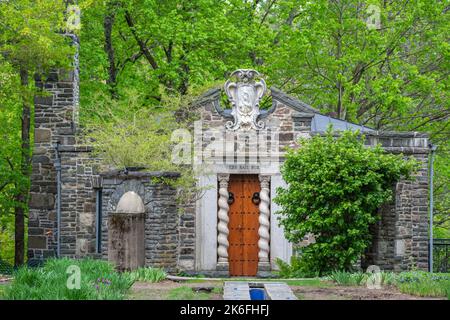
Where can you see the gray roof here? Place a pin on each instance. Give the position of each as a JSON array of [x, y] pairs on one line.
[[320, 122]]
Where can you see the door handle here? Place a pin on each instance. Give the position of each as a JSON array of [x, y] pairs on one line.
[[230, 198], [256, 199]]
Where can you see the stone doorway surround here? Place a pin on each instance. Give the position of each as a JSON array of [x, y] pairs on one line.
[[275, 245]]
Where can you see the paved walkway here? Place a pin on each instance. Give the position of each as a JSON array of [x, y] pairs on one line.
[[236, 290], [240, 290]]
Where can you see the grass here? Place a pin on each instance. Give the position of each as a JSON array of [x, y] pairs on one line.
[[344, 278], [186, 293], [424, 284], [148, 274], [313, 282], [417, 283], [98, 280], [2, 291]]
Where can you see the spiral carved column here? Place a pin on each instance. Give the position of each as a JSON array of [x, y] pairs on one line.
[[264, 224], [222, 226]]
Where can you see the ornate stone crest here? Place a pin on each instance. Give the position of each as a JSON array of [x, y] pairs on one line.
[[245, 95]]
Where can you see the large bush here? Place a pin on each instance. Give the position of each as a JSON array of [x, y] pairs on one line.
[[335, 186]]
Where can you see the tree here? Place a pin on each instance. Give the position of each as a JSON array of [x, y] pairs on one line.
[[30, 43], [330, 53], [335, 187]]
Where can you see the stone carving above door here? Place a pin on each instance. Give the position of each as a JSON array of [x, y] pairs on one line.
[[245, 95]]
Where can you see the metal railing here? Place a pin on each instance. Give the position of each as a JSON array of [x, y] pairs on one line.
[[441, 255]]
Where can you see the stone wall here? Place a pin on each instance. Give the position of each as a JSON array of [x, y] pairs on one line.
[[401, 236], [55, 114], [186, 228], [77, 202], [162, 216]]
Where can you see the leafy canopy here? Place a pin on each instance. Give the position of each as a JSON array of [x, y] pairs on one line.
[[334, 188]]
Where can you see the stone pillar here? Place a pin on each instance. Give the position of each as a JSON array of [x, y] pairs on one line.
[[55, 122], [222, 226], [264, 224]]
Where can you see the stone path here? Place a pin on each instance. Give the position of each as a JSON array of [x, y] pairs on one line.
[[279, 291], [239, 290], [236, 290]]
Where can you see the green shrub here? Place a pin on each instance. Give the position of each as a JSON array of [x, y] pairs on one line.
[[422, 283], [335, 186], [99, 280], [296, 268], [388, 278], [345, 278], [148, 274]]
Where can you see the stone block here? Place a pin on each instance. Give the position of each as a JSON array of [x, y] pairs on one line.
[[42, 135], [43, 100], [41, 159], [37, 242], [41, 201], [82, 247], [86, 219]]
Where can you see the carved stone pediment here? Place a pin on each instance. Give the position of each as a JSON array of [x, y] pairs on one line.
[[245, 95]]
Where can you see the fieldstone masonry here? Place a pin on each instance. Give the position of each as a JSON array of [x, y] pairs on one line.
[[55, 112], [184, 240], [161, 213]]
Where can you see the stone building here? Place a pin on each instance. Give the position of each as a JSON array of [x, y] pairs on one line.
[[232, 228]]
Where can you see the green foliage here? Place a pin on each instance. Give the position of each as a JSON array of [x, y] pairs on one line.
[[345, 278], [126, 134], [6, 238], [424, 284], [148, 275], [31, 43], [391, 78], [418, 283], [98, 281], [6, 267], [313, 282], [335, 187], [296, 268]]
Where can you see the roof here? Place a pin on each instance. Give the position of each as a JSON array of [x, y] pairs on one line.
[[319, 121]]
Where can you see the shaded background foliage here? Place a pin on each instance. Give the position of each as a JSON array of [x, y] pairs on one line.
[[391, 78]]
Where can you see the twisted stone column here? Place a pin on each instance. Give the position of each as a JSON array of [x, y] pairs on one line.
[[264, 224], [222, 226]]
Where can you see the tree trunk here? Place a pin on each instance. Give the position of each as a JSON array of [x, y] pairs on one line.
[[22, 192], [109, 50]]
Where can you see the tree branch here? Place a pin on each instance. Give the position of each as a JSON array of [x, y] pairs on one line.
[[146, 52]]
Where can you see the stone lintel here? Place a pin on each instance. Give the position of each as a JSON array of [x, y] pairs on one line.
[[139, 174], [76, 148]]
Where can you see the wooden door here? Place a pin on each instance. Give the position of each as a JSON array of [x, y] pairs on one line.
[[243, 226]]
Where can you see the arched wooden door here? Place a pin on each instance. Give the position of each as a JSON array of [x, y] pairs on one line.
[[243, 226]]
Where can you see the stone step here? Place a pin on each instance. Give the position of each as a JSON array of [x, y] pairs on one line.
[[279, 291], [234, 290]]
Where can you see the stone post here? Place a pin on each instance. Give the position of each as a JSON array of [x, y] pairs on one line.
[[264, 224], [222, 226]]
